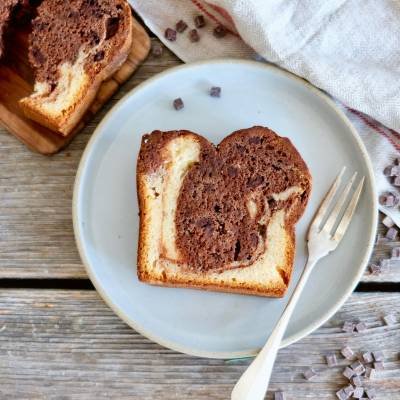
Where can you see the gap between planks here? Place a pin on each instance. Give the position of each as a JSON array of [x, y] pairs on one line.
[[86, 284]]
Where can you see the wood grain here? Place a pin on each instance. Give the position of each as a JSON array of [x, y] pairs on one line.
[[57, 344], [36, 238], [16, 82]]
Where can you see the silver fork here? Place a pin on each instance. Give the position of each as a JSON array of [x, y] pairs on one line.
[[253, 384]]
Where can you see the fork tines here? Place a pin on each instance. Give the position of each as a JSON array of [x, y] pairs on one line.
[[338, 207]]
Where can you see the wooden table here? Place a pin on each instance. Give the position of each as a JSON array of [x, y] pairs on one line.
[[58, 340]]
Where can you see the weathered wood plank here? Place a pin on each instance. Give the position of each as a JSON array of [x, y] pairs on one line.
[[69, 345], [36, 238]]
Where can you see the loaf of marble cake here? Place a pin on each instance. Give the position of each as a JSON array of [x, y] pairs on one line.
[[220, 217]]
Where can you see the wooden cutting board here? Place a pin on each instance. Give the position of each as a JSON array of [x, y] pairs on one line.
[[16, 81]]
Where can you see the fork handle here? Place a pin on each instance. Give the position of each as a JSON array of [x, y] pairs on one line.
[[253, 384]]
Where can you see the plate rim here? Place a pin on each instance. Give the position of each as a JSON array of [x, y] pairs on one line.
[[78, 190]]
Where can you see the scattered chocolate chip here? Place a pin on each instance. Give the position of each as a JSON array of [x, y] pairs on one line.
[[258, 57], [397, 161], [367, 357], [371, 393], [375, 269], [348, 373], [389, 199], [348, 389], [348, 326], [388, 222], [309, 374], [181, 26], [178, 104], [358, 368], [170, 34], [194, 35], [378, 355], [199, 21], [395, 171], [341, 395], [219, 31], [361, 327], [396, 181], [370, 372], [358, 393], [379, 365], [391, 233], [279, 396], [347, 353], [331, 360], [390, 319], [157, 49], [356, 380], [215, 91], [387, 170], [395, 253]]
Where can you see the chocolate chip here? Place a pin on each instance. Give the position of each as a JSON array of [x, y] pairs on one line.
[[194, 36], [389, 199], [181, 26], [375, 269], [395, 171], [38, 56], [391, 233], [331, 360], [348, 327], [112, 25], [348, 372], [99, 55], [395, 253], [356, 380], [361, 327], [254, 140], [199, 21], [396, 181], [215, 91], [367, 357], [255, 181], [219, 31], [309, 374], [387, 170], [349, 389], [397, 161], [341, 394], [178, 104], [157, 49], [379, 365], [370, 372], [279, 396], [358, 393], [347, 353], [378, 355], [358, 368], [388, 222], [390, 319], [170, 34]]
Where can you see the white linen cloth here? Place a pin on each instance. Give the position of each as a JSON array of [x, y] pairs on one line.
[[348, 48]]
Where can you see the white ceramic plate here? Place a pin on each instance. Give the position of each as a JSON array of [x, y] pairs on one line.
[[106, 212]]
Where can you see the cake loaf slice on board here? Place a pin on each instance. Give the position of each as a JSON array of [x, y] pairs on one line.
[[220, 217], [74, 46]]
